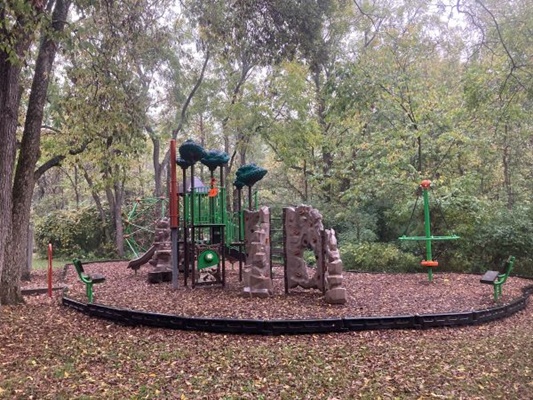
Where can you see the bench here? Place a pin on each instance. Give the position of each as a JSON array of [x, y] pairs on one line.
[[88, 280], [497, 278]]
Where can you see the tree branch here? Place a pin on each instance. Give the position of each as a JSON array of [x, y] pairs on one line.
[[56, 160]]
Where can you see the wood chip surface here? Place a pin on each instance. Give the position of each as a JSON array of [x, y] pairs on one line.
[[368, 294]]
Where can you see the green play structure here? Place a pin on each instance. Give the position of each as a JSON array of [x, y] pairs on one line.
[[208, 232], [428, 238], [139, 222]]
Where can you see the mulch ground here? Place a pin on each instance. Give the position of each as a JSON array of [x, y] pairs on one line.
[[368, 294], [48, 351]]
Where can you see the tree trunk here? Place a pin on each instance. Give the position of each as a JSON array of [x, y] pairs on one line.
[[115, 196], [9, 103], [99, 206], [117, 212], [327, 155], [15, 254], [11, 61], [160, 167]]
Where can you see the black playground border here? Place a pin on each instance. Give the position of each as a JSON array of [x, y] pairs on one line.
[[299, 326]]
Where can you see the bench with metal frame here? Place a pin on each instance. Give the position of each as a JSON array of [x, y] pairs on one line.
[[498, 278], [88, 280]]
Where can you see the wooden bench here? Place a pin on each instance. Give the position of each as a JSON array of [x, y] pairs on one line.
[[88, 280], [497, 278]]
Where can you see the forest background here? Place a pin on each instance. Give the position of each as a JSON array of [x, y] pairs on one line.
[[349, 104]]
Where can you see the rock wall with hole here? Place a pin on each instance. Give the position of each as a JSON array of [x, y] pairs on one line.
[[304, 230], [256, 274], [303, 227], [161, 260]]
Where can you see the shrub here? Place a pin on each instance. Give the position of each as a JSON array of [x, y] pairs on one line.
[[377, 257], [73, 233]]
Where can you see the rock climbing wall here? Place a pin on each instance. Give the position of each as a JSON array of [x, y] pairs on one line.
[[257, 280], [335, 293], [303, 227], [304, 230]]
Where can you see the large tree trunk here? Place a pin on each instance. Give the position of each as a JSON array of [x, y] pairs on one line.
[[16, 253], [12, 59], [7, 158], [9, 104]]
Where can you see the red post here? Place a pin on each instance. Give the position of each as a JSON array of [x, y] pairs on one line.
[[173, 187], [49, 269]]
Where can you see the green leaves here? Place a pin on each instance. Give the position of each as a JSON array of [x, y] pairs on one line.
[[76, 233], [262, 32]]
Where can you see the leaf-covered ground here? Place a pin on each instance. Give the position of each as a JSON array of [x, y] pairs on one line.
[[368, 294], [51, 352]]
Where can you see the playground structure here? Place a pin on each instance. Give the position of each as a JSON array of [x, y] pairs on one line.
[[304, 230], [197, 241], [429, 262]]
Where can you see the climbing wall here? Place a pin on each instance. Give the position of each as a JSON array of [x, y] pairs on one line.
[[304, 230], [257, 280], [303, 227], [162, 269], [335, 292]]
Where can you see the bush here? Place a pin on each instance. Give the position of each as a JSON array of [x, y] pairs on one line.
[[498, 234], [73, 233], [377, 257]]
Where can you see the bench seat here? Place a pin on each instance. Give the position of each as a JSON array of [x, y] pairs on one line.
[[498, 278], [490, 277], [88, 280]]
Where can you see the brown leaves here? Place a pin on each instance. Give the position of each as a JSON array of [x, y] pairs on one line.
[[48, 351], [368, 295]]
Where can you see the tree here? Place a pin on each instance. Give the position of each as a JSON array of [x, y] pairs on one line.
[[247, 38], [24, 178], [498, 91], [15, 38], [107, 97]]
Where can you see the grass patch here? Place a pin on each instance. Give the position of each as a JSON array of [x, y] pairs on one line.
[[42, 263]]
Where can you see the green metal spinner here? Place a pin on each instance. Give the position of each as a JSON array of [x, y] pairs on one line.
[[428, 238]]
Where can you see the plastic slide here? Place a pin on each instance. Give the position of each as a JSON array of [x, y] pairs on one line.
[[136, 263]]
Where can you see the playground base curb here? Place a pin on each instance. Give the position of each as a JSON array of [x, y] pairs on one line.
[[298, 326]]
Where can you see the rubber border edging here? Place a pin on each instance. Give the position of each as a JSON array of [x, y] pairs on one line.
[[299, 326]]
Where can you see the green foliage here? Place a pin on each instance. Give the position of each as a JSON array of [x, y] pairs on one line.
[[265, 31], [377, 257], [496, 233], [73, 233]]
